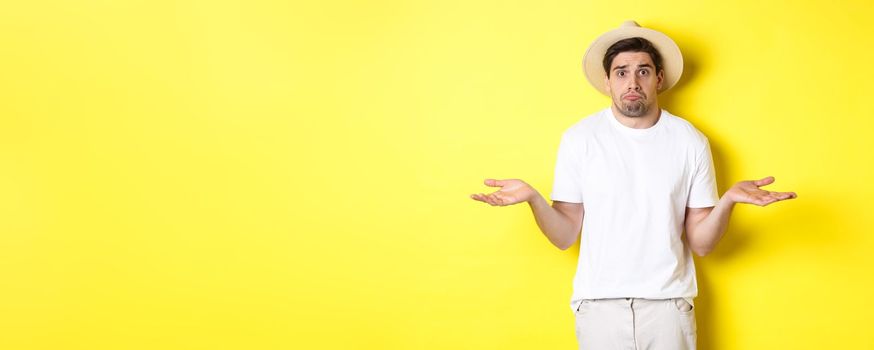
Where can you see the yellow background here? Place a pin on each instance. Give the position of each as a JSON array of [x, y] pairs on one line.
[[275, 175]]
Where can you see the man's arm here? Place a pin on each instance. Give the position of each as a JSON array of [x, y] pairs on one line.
[[561, 223], [706, 226]]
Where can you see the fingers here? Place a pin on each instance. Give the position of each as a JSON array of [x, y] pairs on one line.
[[496, 200], [781, 195], [488, 198], [772, 197], [785, 195], [491, 198], [480, 197], [494, 183], [764, 182]]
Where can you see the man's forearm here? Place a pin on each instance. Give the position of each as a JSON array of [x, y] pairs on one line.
[[705, 234], [558, 228]]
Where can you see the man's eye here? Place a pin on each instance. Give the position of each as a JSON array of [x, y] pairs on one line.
[[643, 72], [620, 73]]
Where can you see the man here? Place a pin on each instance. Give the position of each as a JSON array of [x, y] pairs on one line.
[[639, 176]]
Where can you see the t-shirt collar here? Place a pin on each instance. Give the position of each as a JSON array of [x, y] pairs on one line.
[[632, 131]]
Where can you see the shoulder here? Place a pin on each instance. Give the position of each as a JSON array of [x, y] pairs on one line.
[[682, 128], [586, 127]]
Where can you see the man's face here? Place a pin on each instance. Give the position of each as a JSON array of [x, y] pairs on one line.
[[634, 83]]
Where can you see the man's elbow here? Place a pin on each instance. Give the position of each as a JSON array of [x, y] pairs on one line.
[[699, 246], [565, 245], [701, 251]]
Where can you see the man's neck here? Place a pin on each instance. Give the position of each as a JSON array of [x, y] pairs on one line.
[[642, 122]]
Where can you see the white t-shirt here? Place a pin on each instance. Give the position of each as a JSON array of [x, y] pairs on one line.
[[635, 185]]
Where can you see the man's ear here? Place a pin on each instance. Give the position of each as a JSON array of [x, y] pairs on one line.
[[661, 79], [607, 83]]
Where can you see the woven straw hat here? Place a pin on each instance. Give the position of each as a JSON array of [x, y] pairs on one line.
[[672, 59]]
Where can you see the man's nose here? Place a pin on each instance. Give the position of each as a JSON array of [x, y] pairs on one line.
[[633, 85]]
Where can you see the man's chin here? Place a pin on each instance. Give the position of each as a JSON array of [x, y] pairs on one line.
[[633, 110]]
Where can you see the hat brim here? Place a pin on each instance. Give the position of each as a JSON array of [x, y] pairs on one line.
[[672, 59]]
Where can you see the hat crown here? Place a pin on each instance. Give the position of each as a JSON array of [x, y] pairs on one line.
[[672, 58]]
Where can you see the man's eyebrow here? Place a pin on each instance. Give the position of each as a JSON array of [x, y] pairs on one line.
[[639, 66]]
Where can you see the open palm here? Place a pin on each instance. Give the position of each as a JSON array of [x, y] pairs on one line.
[[749, 192], [512, 191]]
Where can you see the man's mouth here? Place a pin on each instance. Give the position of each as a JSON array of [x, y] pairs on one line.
[[632, 97]]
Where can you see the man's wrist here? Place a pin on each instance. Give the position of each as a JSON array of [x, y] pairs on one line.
[[726, 200], [535, 199]]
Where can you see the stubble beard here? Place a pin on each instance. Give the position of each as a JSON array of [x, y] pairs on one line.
[[633, 109]]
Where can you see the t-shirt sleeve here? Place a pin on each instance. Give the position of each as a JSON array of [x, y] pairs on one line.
[[567, 186], [703, 192]]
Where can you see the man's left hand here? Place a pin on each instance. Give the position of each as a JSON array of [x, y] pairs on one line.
[[749, 192]]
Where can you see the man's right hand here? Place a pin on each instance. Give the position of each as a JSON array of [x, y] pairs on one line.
[[512, 191]]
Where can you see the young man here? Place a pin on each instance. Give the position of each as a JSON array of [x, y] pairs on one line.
[[639, 176]]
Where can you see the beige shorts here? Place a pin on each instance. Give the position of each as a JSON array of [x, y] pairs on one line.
[[632, 323]]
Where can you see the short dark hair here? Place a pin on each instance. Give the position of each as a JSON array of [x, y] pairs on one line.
[[636, 44]]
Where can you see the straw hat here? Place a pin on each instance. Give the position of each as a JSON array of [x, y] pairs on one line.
[[672, 59]]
